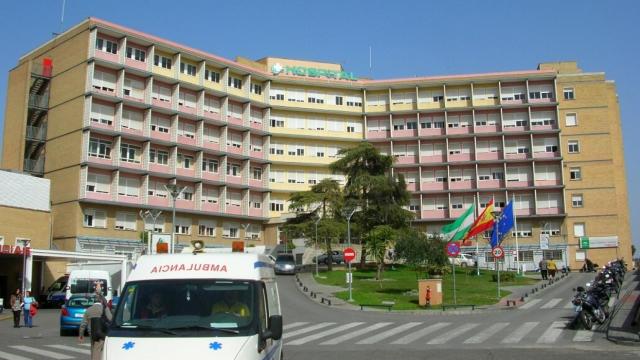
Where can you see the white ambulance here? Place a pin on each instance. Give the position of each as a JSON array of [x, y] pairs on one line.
[[198, 305]]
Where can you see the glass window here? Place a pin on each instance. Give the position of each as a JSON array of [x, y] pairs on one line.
[[574, 146], [575, 173], [578, 229], [571, 120], [568, 94], [576, 200]]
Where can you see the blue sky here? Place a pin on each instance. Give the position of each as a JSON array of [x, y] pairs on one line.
[[409, 38]]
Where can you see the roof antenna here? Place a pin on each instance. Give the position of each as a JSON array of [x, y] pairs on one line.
[[370, 62], [64, 2]]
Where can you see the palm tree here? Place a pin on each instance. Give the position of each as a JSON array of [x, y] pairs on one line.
[[377, 242]]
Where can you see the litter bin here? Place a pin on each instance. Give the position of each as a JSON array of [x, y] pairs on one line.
[[429, 292]]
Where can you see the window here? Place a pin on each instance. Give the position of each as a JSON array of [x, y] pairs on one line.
[[188, 69], [230, 230], [233, 169], [210, 165], [524, 230], [128, 186], [187, 129], [187, 99], [211, 105], [185, 161], [547, 172], [568, 94], [542, 118], [433, 95], [187, 193], [549, 200], [276, 149], [571, 119], [98, 183], [133, 88], [129, 153], [102, 114], [551, 229], [234, 140], [95, 218], [276, 176], [276, 94], [338, 100], [574, 146], [161, 92], [136, 54], [354, 101], [209, 195], [207, 228], [100, 148], [234, 199], [157, 189], [106, 46], [552, 254], [575, 173], [211, 75], [578, 229], [525, 255], [256, 173], [104, 80], [234, 82], [576, 200], [253, 232], [277, 122], [162, 61], [277, 205], [126, 221], [234, 110], [158, 157], [183, 226], [132, 119], [315, 97], [511, 93], [542, 91], [160, 124], [256, 89]]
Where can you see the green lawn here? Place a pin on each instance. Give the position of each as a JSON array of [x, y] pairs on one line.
[[401, 285]]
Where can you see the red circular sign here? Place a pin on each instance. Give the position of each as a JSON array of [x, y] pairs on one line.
[[453, 249], [349, 254], [498, 252]]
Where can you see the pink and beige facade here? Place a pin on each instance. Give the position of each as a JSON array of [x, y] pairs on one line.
[[111, 115]]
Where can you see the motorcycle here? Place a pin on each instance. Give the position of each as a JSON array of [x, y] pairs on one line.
[[589, 308]]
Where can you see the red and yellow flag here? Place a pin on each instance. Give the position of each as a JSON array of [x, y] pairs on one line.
[[483, 223]]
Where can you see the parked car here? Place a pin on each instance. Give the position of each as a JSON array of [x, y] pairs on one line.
[[285, 264], [463, 260], [54, 296], [72, 311], [336, 258]]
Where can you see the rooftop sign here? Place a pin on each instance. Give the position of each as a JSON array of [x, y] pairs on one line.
[[277, 68]]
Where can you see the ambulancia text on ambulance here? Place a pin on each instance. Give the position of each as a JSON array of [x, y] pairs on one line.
[[198, 305]]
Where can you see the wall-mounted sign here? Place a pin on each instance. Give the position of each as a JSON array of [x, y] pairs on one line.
[[277, 68], [594, 242], [14, 250]]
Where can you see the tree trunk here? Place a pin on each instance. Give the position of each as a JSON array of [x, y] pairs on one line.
[[380, 265]]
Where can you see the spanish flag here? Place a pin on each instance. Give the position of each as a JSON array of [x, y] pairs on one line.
[[483, 223]]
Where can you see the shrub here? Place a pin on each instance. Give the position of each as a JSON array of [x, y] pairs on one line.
[[505, 276]]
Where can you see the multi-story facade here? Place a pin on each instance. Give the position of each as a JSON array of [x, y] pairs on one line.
[[112, 115]]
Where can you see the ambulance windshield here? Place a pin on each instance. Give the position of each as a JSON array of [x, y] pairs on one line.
[[195, 305]]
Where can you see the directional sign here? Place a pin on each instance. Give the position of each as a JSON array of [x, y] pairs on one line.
[[349, 254], [453, 249], [498, 252]]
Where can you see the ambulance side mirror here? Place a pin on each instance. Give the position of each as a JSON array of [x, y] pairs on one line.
[[275, 327]]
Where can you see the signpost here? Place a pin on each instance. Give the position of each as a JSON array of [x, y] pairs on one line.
[[349, 255], [498, 253], [453, 249]]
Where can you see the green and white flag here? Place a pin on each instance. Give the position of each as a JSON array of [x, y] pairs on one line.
[[459, 228]]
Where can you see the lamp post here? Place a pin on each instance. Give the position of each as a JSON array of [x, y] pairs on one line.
[[316, 246], [153, 214], [349, 278], [25, 242], [175, 191]]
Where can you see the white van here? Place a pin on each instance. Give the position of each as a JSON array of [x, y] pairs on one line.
[[201, 305], [84, 281]]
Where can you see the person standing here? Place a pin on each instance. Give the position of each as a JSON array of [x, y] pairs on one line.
[[96, 310], [543, 268], [552, 268], [16, 307], [28, 302]]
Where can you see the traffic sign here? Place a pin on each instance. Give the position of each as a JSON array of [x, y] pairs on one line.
[[453, 249], [349, 254], [498, 252]]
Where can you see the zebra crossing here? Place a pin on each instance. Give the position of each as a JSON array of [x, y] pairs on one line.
[[51, 351], [546, 304], [432, 334]]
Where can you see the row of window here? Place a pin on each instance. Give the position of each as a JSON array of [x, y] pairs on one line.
[[527, 255], [522, 201], [512, 146], [97, 218]]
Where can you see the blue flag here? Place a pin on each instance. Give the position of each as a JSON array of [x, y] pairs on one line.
[[503, 226]]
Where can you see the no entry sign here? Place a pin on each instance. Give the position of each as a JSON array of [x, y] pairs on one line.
[[349, 254]]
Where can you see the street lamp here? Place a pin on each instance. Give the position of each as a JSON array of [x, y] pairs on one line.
[[153, 214], [316, 247], [175, 191], [25, 243], [349, 214]]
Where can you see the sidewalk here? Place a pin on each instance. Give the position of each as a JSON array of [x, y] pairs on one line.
[[624, 326]]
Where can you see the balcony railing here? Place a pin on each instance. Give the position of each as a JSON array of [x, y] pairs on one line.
[[36, 133], [39, 101], [44, 69], [35, 166]]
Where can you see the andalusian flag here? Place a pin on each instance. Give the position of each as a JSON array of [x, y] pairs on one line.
[[483, 223], [459, 228]]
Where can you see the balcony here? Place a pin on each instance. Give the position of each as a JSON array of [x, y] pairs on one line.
[[435, 214], [431, 131], [39, 101], [99, 160], [519, 184], [487, 129], [460, 157], [137, 165], [512, 101], [37, 133], [433, 158], [524, 212], [140, 65], [131, 131], [517, 156], [490, 184], [213, 115], [489, 155], [234, 149], [187, 109], [93, 195], [185, 204], [163, 103], [257, 154], [485, 102], [384, 134], [461, 185], [160, 135], [255, 212], [210, 145], [433, 186], [459, 130], [235, 120], [548, 182], [187, 139], [186, 172], [102, 124], [158, 201], [431, 105], [549, 211], [159, 168], [546, 154], [34, 166], [210, 176], [412, 186], [234, 179], [130, 199], [515, 128], [210, 207], [458, 103], [234, 209], [405, 133], [405, 159], [99, 54], [542, 127]]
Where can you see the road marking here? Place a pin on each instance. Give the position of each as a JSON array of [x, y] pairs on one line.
[[583, 336], [568, 305], [7, 356], [519, 333], [551, 304], [357, 333], [420, 333], [452, 333], [385, 334], [307, 329], [552, 333], [71, 348], [529, 304], [486, 333], [322, 334], [46, 353], [295, 324], [85, 344]]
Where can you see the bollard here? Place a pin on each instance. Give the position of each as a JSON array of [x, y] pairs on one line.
[[526, 295], [522, 299], [305, 289]]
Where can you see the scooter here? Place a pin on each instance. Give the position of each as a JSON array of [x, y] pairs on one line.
[[588, 308]]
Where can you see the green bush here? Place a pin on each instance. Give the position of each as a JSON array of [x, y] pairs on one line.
[[505, 276]]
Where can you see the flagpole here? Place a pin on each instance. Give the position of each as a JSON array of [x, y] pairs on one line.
[[476, 201], [515, 224]]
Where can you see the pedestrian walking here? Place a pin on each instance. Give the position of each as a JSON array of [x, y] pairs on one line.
[[28, 302], [97, 310], [16, 307], [543, 268], [552, 268]]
